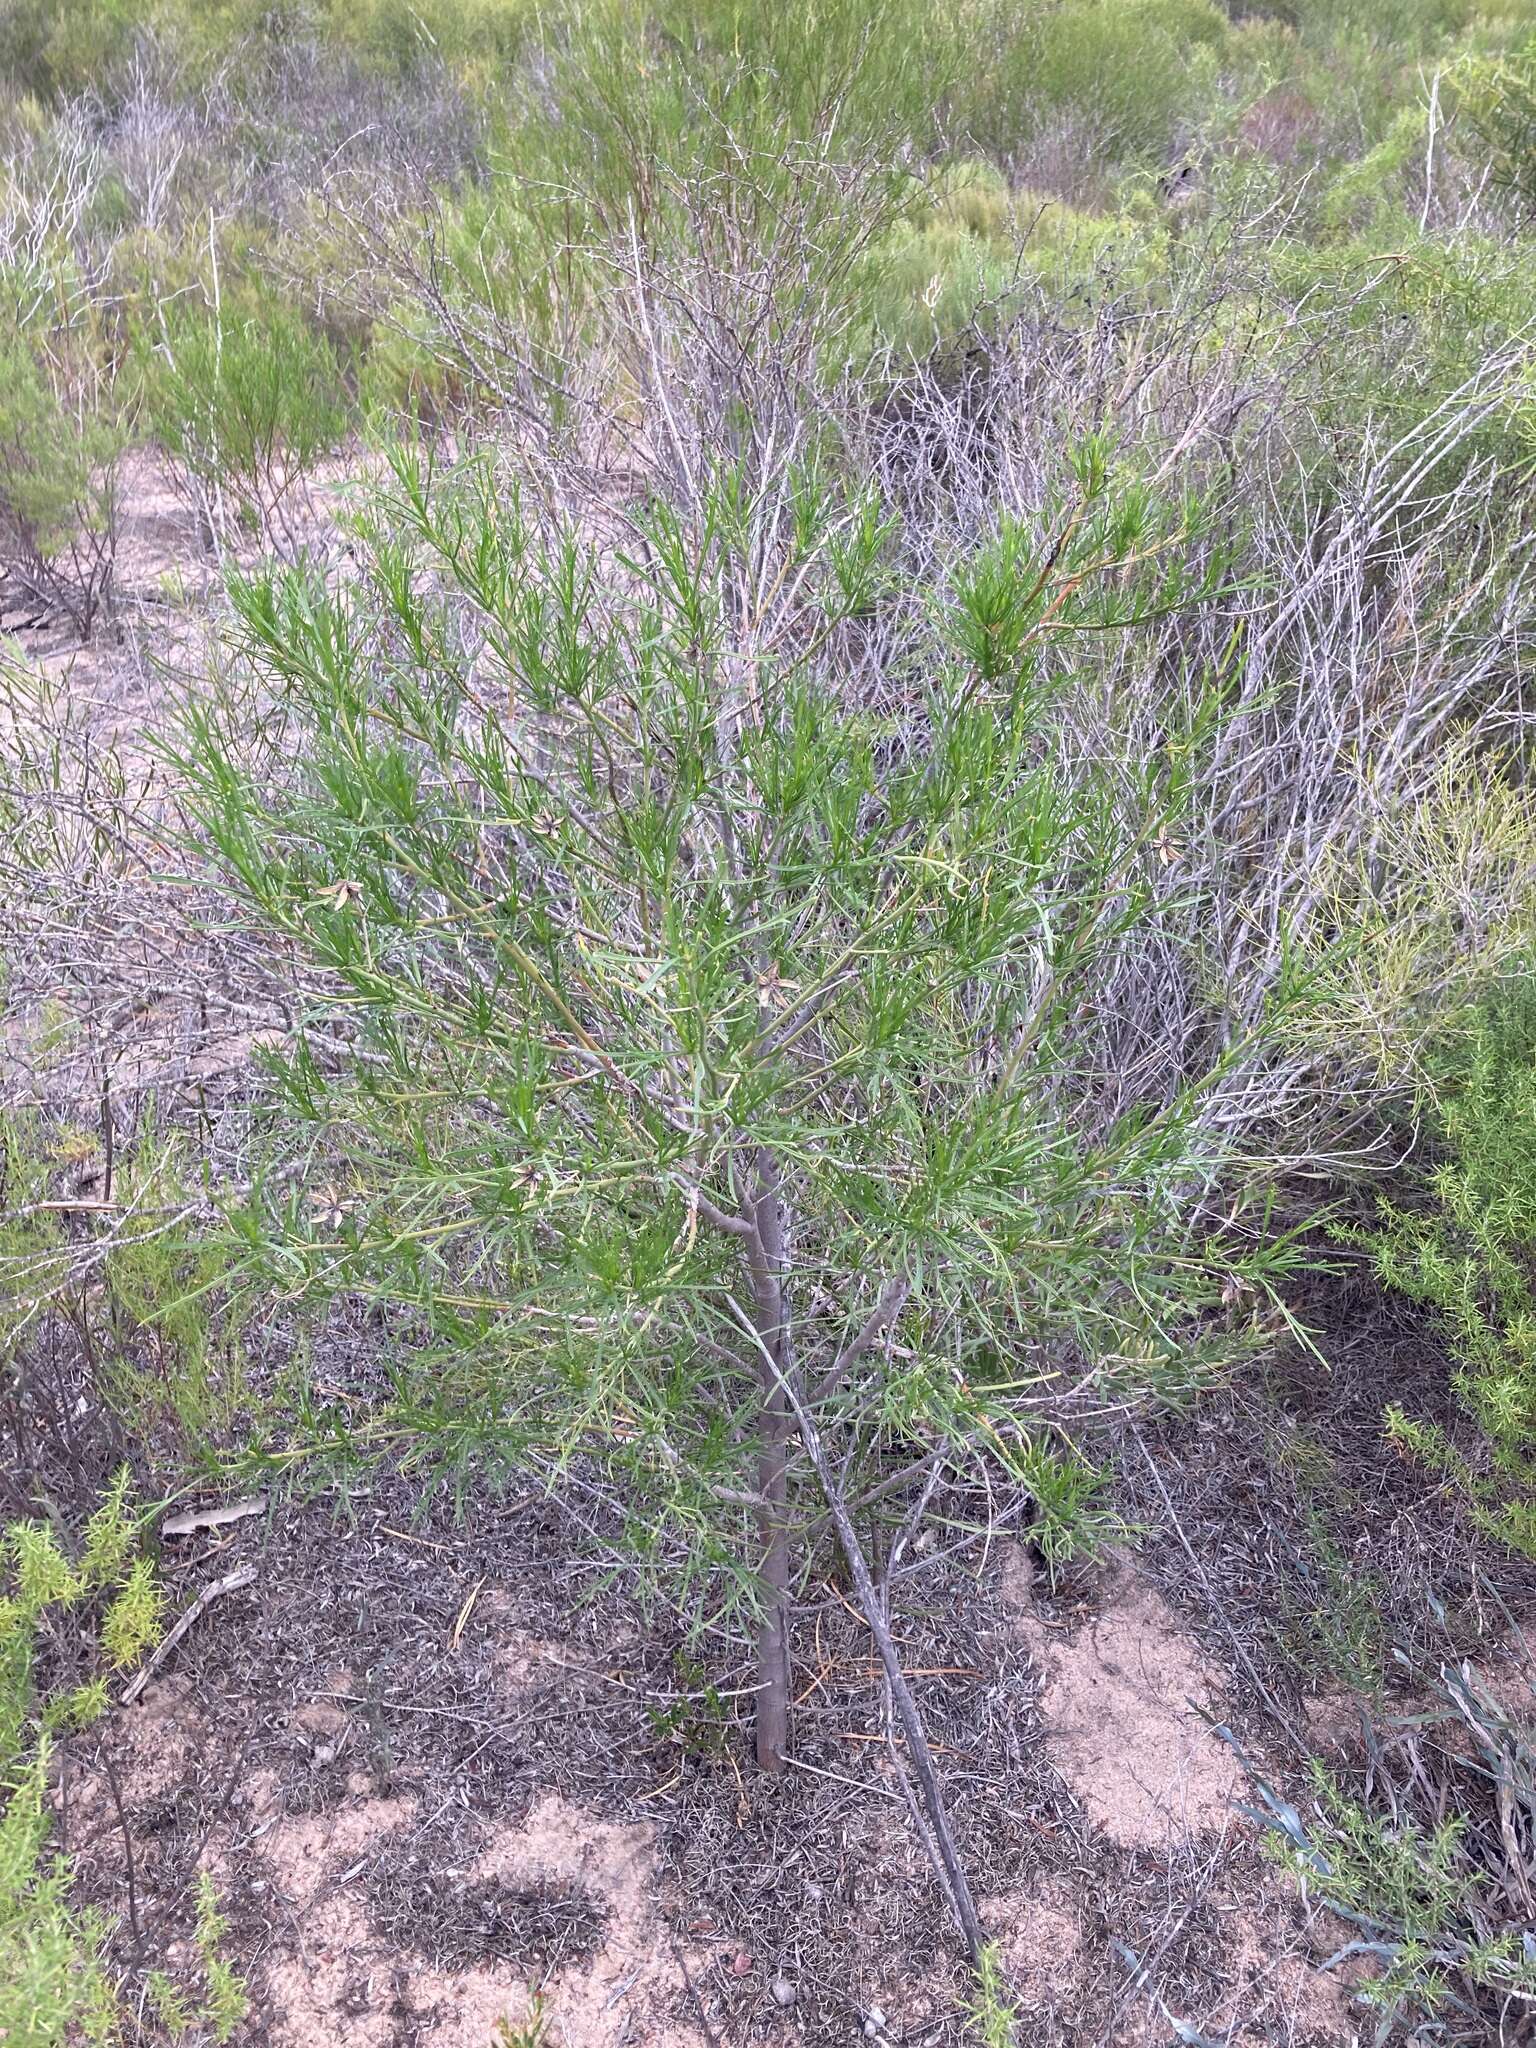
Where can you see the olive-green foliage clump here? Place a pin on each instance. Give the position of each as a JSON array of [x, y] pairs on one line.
[[1132, 72], [967, 249], [59, 48], [1465, 1247], [994, 2022], [219, 2003], [224, 2000], [61, 435], [1497, 97], [1416, 1883], [49, 457], [56, 1984], [157, 1312], [1423, 1858], [245, 403]]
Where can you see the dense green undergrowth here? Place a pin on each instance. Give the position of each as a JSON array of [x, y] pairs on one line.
[[80, 1611], [1463, 1242]]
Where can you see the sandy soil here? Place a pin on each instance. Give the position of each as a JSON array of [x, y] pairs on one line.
[[430, 1817]]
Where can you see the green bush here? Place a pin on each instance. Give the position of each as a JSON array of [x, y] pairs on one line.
[[1422, 1855], [62, 48], [178, 1364], [1370, 189], [405, 376], [925, 280], [694, 1004], [401, 36], [1133, 72], [1403, 28], [55, 48], [245, 402], [156, 1314], [967, 249], [1412, 322], [58, 478], [1465, 1245], [1496, 97], [55, 1986]]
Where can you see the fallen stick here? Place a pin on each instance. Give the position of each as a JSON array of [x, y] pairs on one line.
[[231, 1583], [938, 1836], [944, 1850]]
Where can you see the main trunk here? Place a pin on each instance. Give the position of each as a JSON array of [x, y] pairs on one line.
[[773, 1632]]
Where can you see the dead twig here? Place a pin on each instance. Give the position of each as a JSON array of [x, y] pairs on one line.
[[232, 1582], [951, 1870]]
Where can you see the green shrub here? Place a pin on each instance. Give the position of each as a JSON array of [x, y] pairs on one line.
[[1433, 914], [730, 101], [64, 421], [245, 403], [397, 38], [1133, 72], [1370, 188], [56, 48], [224, 2001], [1402, 28], [57, 1988], [156, 1311], [778, 73], [921, 286], [1464, 1245], [994, 2023], [502, 269], [58, 488], [1422, 1855], [401, 36], [1413, 321], [659, 949], [404, 377], [55, 1985], [178, 1364], [1496, 97]]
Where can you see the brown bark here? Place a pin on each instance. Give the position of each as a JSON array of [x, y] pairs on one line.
[[773, 1660]]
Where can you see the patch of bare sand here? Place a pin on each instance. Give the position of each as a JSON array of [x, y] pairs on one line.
[[165, 1733], [323, 1979], [1041, 1945], [1121, 1708], [1332, 1721], [327, 1977], [156, 1746], [1274, 1988], [516, 1657], [625, 1990], [158, 537], [1058, 1969], [1015, 1580]]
